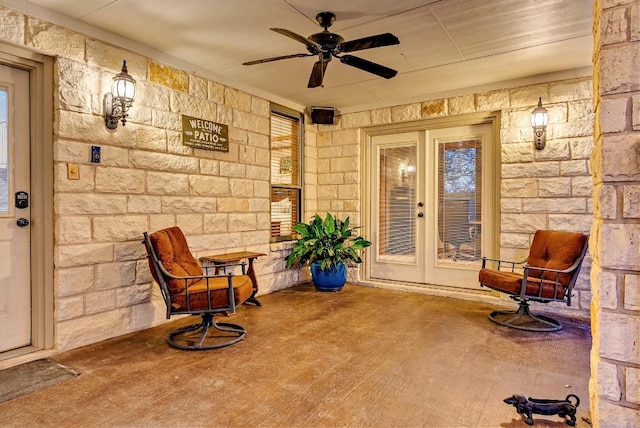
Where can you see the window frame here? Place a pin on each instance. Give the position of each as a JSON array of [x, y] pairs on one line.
[[297, 189]]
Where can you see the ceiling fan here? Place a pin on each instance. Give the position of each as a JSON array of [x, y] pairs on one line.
[[327, 45]]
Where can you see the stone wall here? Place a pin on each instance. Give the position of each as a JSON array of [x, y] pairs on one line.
[[147, 180], [615, 322], [539, 189]]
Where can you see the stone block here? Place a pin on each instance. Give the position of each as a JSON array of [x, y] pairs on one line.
[[571, 222], [434, 108], [73, 230], [631, 201], [517, 153], [605, 202], [569, 90], [613, 237], [581, 148], [554, 205], [74, 100], [344, 164], [110, 57], [167, 120], [635, 109], [203, 185], [493, 100], [613, 114], [162, 162], [169, 77], [164, 183], [198, 86], [251, 122], [462, 104], [11, 26], [130, 250], [143, 273], [632, 385], [331, 178], [82, 254], [519, 188], [381, 116], [216, 223], [242, 222], [118, 229], [522, 223], [119, 180], [632, 292], [615, 330], [345, 137], [150, 138], [191, 224], [193, 204], [574, 167], [142, 204], [610, 415], [78, 204], [554, 187], [531, 170], [330, 151], [232, 169], [515, 240], [82, 331], [241, 188], [100, 301], [605, 288], [356, 120], [115, 275], [161, 221], [133, 295], [619, 67], [527, 96], [614, 26], [255, 172], [237, 99], [74, 280], [50, 38], [608, 383], [216, 92], [232, 205], [406, 112], [582, 186], [69, 307], [510, 205]]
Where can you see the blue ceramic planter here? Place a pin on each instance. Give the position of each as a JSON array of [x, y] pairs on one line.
[[328, 280]]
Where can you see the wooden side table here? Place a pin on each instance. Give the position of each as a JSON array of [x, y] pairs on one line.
[[222, 259]]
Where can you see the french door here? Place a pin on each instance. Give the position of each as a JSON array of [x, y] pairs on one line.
[[15, 210], [432, 205]]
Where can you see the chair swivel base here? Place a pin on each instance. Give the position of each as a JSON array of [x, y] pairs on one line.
[[523, 319], [200, 337]]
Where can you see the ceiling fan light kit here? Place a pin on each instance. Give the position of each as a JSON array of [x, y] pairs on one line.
[[327, 45]]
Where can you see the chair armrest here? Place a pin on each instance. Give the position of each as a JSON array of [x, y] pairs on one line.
[[510, 263]]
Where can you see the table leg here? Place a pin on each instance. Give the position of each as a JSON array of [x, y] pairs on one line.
[[252, 275]]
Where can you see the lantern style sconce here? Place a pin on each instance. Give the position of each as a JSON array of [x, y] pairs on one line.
[[539, 121], [120, 99]]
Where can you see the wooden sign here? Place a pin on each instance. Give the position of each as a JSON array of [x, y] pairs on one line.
[[204, 134]]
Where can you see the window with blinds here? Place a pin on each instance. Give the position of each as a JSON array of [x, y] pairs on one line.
[[459, 199], [286, 174], [396, 211]]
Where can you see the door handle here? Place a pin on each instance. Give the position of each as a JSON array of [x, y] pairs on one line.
[[420, 215], [22, 222]]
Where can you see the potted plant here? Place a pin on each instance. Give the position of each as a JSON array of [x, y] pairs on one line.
[[327, 245]]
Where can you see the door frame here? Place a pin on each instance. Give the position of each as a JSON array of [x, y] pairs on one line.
[[366, 134], [40, 68]]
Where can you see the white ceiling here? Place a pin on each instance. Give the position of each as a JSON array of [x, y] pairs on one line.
[[445, 45]]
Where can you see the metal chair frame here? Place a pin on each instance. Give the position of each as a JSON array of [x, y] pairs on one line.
[[539, 323], [180, 338]]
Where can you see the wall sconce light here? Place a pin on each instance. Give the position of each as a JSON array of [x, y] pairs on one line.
[[120, 99], [539, 121]]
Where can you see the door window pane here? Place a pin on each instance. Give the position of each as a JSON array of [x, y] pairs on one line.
[[397, 202], [459, 200]]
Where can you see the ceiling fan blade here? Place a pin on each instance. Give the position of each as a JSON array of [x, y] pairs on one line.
[[385, 39], [310, 43], [369, 66], [317, 74], [276, 58]]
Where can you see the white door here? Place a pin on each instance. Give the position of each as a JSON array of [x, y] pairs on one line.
[[15, 234], [432, 208]]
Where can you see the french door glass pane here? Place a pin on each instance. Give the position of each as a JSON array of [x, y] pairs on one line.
[[396, 211], [4, 153], [459, 200]]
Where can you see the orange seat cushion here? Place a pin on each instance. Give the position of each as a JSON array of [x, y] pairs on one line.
[[217, 289], [174, 254], [511, 283], [552, 249]]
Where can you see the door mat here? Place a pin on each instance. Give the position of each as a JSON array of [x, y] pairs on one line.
[[29, 377]]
